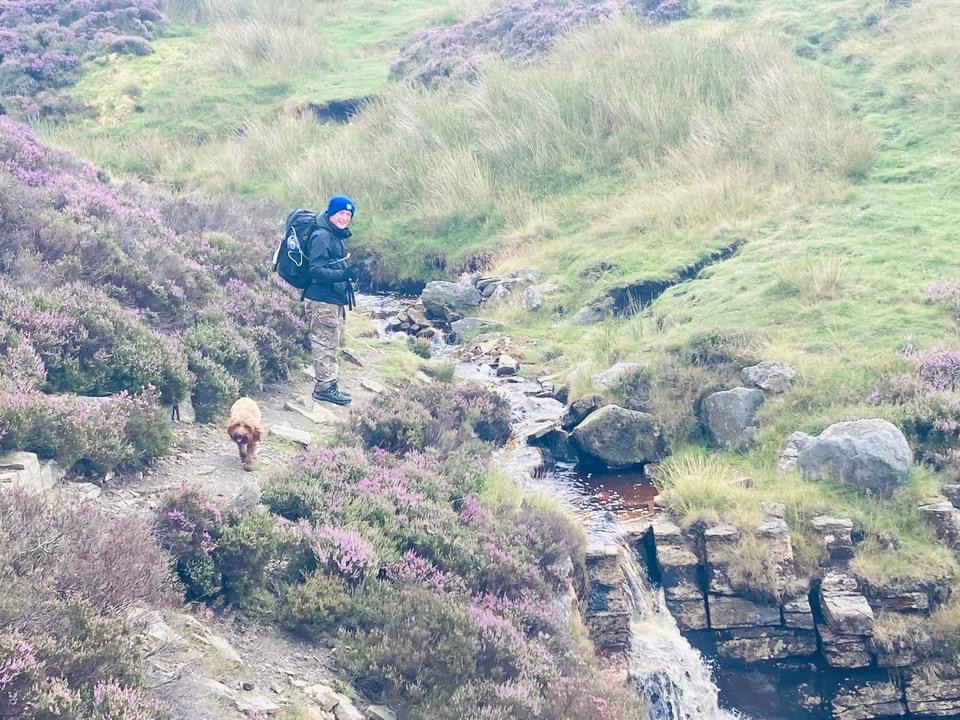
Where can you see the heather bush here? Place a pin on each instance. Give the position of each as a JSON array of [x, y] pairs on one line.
[[189, 526], [42, 42], [90, 345], [926, 403], [415, 418], [158, 294], [68, 576], [221, 343], [245, 553], [214, 389], [90, 435], [316, 607]]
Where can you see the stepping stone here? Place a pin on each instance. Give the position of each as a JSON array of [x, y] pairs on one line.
[[300, 437]]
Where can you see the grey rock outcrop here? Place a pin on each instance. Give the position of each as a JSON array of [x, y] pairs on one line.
[[595, 312], [845, 637], [945, 519], [469, 326], [729, 416], [791, 452], [447, 301], [769, 375], [871, 455], [531, 298], [609, 378], [619, 437], [25, 471], [579, 410]]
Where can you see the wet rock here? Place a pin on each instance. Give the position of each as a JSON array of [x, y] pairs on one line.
[[775, 377], [934, 691], [447, 301], [729, 416], [470, 326], [844, 651], [609, 378], [619, 437], [608, 614], [677, 561], [531, 299], [871, 455], [945, 519], [23, 470], [690, 615], [834, 535], [865, 701], [417, 315], [594, 313], [579, 409], [791, 452], [734, 612], [766, 643], [797, 613]]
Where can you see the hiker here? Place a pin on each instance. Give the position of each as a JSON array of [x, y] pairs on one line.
[[329, 294]]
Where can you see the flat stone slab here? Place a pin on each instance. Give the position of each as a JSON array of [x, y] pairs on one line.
[[689, 614], [251, 703], [848, 614], [300, 437], [734, 612], [763, 644]]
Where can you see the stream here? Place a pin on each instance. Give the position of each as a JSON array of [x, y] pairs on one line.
[[672, 676]]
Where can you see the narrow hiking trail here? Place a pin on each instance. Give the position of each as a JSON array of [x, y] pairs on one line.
[[213, 664]]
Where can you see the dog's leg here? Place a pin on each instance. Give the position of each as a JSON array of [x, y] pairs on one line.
[[251, 454]]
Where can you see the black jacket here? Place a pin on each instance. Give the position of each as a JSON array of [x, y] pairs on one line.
[[328, 264]]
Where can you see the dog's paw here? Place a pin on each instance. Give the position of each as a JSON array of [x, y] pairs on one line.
[[248, 468]]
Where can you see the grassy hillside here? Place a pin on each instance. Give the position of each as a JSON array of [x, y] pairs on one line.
[[823, 135]]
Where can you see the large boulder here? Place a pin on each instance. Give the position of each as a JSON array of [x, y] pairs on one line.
[[469, 326], [769, 375], [579, 409], [871, 455], [447, 301], [619, 437], [729, 416]]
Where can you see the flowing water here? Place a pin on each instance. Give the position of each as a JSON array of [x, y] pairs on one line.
[[666, 670]]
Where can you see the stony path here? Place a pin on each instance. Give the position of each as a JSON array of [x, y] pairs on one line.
[[218, 665]]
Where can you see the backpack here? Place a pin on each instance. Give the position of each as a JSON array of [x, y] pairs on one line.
[[292, 259]]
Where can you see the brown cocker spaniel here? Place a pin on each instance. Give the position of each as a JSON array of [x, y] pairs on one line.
[[245, 428]]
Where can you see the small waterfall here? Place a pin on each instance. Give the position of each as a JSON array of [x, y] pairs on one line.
[[666, 671]]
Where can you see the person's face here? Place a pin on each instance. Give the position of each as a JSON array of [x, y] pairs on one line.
[[341, 219]]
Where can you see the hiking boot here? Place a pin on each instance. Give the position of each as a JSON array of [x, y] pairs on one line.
[[329, 393]]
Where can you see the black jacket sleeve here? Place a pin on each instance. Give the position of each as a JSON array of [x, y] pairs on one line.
[[323, 265]]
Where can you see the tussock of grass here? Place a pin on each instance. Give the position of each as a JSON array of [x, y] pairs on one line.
[[701, 487]]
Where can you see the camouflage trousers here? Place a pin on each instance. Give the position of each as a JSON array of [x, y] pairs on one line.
[[326, 323]]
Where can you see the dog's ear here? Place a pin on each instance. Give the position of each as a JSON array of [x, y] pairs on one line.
[[257, 434]]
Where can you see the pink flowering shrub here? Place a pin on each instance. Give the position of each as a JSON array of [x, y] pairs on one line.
[[522, 30], [88, 435], [68, 576], [88, 344], [42, 42], [116, 287], [415, 418]]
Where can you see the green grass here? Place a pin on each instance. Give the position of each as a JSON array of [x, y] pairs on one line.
[[824, 134]]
